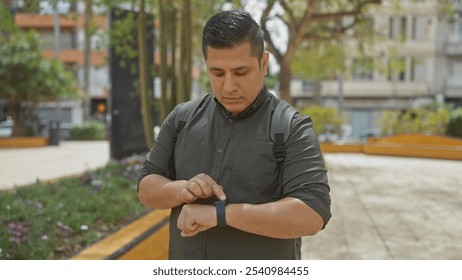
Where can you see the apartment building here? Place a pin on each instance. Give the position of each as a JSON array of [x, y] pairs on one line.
[[71, 52], [417, 60]]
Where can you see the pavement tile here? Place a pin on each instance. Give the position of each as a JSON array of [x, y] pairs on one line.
[[391, 208]]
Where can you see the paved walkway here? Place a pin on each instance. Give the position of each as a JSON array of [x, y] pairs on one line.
[[391, 208], [27, 165], [383, 207]]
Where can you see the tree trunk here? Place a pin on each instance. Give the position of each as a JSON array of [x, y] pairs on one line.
[[285, 77], [163, 67], [185, 65], [143, 74], [167, 55], [172, 76]]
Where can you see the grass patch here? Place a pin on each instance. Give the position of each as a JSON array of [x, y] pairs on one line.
[[56, 220]]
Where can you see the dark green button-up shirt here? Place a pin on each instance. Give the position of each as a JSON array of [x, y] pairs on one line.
[[238, 154]]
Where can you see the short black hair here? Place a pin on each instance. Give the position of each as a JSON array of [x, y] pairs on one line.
[[229, 29]]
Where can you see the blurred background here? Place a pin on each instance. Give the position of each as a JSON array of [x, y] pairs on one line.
[[359, 68], [378, 77]]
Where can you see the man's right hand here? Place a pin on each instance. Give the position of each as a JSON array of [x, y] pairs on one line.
[[200, 186]]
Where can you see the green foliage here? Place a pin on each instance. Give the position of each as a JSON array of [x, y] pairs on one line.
[[122, 37], [429, 119], [454, 126], [27, 78], [325, 119], [319, 62], [6, 21], [271, 81], [56, 220], [90, 130], [24, 72]]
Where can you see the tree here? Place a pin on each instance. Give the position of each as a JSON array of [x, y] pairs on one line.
[[428, 119], [185, 73], [6, 21], [181, 24], [143, 56], [327, 119], [309, 24], [454, 124], [27, 78], [167, 46]]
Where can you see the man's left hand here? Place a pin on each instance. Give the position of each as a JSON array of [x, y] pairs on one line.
[[195, 218]]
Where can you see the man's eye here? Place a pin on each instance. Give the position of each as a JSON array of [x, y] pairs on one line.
[[241, 73], [218, 74]]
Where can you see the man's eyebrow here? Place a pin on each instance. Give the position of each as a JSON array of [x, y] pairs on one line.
[[232, 69]]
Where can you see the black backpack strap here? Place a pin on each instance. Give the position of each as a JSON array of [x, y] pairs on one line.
[[281, 124], [280, 128], [185, 112]]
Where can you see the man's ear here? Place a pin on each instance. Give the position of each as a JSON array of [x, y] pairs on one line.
[[264, 62]]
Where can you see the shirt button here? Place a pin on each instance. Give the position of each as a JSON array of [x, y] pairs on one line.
[[199, 253], [230, 120], [220, 151]]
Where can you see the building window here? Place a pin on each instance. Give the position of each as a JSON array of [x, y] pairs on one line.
[[362, 69], [458, 27], [396, 69], [73, 68], [307, 86], [390, 28], [420, 28], [417, 70], [397, 29], [401, 69], [403, 28]]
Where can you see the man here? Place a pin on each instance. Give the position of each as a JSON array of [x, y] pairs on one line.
[[224, 152]]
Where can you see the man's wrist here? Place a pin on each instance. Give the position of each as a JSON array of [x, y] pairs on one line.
[[221, 213]]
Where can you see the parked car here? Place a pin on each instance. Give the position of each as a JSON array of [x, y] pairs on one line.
[[6, 127]]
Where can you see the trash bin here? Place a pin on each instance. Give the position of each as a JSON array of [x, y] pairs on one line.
[[54, 136]]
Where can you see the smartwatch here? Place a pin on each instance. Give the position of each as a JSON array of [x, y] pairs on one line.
[[221, 217]]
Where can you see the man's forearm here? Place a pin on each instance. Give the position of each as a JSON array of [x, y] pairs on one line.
[[286, 218], [159, 192], [162, 193]]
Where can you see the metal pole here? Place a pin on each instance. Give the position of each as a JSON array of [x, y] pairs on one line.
[[58, 57], [340, 93]]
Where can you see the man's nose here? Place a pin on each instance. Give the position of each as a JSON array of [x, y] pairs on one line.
[[229, 84]]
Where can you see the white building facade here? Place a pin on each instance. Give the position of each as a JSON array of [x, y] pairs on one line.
[[417, 60]]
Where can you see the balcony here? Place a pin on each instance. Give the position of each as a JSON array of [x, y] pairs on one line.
[[376, 89], [73, 56], [453, 87], [70, 21], [35, 21], [454, 44]]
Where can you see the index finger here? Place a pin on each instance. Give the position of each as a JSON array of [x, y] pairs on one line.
[[218, 191]]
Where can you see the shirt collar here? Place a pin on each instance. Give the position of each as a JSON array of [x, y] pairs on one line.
[[259, 100]]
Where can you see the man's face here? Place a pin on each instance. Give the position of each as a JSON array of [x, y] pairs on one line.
[[235, 76]]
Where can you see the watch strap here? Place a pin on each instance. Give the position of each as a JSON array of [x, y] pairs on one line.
[[221, 215]]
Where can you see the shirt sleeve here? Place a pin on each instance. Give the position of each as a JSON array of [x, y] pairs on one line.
[[158, 158], [304, 175]]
